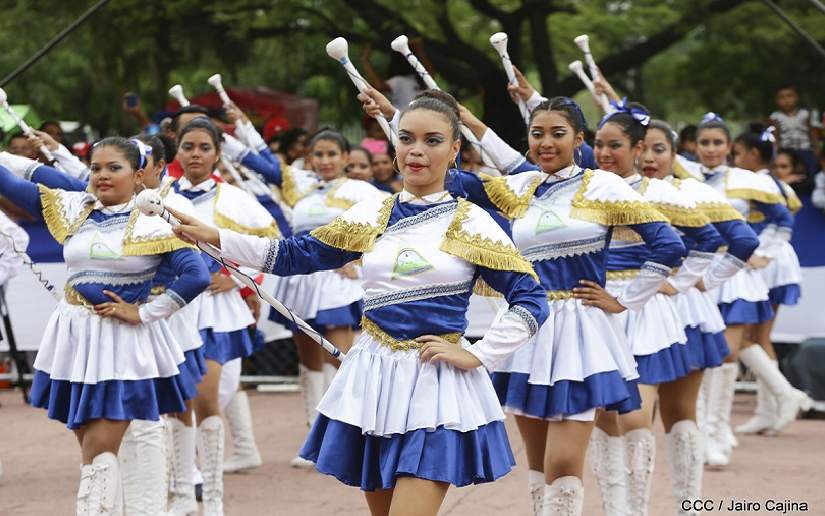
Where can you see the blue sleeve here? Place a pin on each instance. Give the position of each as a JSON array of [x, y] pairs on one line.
[[778, 214], [519, 289], [663, 244], [193, 277], [212, 265], [524, 166], [586, 159], [21, 192], [469, 186], [306, 254], [270, 171], [741, 239], [705, 238], [48, 176], [267, 155]]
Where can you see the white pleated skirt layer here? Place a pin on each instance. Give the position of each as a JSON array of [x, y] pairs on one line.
[[698, 310], [309, 294], [224, 312], [783, 269], [574, 343], [654, 327], [184, 326], [385, 392], [747, 285], [82, 347]]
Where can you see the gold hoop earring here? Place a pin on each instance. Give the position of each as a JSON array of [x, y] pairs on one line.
[[395, 164]]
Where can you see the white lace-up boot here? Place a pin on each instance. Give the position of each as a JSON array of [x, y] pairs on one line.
[[788, 399], [607, 460], [244, 450], [99, 492], [181, 486], [640, 458], [142, 458], [685, 451], [564, 497], [210, 453]]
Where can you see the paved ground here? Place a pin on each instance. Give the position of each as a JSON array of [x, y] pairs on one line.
[[40, 459]]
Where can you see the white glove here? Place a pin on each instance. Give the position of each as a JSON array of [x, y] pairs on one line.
[[20, 166], [233, 148]]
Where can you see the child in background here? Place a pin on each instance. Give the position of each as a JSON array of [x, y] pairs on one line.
[[818, 196], [360, 164], [687, 142], [793, 125]]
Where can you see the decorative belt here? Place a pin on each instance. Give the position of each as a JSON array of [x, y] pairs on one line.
[[399, 345], [623, 275], [559, 295], [157, 290], [73, 297]]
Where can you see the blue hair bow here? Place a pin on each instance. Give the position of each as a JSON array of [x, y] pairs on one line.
[[639, 114], [710, 116], [144, 151]]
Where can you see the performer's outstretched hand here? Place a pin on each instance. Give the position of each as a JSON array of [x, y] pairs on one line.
[[436, 349], [191, 229], [375, 103]]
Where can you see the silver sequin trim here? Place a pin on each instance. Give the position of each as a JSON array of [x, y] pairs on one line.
[[416, 294], [111, 278], [424, 216], [658, 268], [105, 226], [701, 254], [525, 315], [271, 255], [176, 298], [564, 249], [734, 260]]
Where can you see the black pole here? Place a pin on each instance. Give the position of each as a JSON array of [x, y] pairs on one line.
[[54, 41], [779, 12]]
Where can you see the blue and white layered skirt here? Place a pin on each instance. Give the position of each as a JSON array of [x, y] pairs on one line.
[[322, 299], [90, 367], [704, 328], [184, 326], [783, 275], [656, 333], [388, 415], [578, 361], [224, 320], [743, 299]]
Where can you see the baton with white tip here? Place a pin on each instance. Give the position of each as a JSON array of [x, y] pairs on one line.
[[150, 203], [4, 99], [499, 42], [578, 68], [583, 42], [338, 49], [176, 92]]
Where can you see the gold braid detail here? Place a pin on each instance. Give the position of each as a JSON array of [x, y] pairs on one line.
[[755, 217], [222, 221], [481, 250], [358, 237], [389, 341], [55, 218], [144, 246], [482, 288], [719, 212], [625, 274], [681, 216], [289, 187], [512, 204], [794, 204], [751, 194], [611, 213]]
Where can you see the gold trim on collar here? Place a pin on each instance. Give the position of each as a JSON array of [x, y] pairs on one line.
[[512, 204], [719, 211], [54, 215], [144, 246], [611, 213], [358, 237], [222, 221]]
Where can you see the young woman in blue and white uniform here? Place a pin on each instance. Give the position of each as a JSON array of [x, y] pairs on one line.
[[743, 300], [223, 316], [108, 356], [782, 275], [562, 218], [411, 411]]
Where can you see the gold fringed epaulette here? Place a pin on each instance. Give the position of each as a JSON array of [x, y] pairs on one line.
[[794, 204], [719, 212], [752, 194], [481, 250], [612, 213], [270, 231], [289, 188], [144, 246], [509, 202], [482, 288], [352, 236], [681, 216], [54, 215]]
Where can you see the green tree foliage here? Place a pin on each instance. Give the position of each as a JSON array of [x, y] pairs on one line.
[[680, 57]]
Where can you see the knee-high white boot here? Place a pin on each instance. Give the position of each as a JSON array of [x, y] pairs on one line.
[[788, 400], [765, 415], [142, 458], [100, 493], [564, 497], [181, 486], [607, 460], [312, 386], [210, 452], [244, 450], [535, 481], [717, 447], [640, 458], [685, 451]]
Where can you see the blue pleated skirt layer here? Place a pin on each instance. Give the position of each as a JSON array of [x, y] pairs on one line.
[[705, 350], [740, 311], [225, 346], [349, 315], [785, 295], [608, 390], [75, 404], [374, 462], [666, 365], [192, 371]]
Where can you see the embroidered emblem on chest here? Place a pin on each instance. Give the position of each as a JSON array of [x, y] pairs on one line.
[[99, 250], [409, 262], [548, 221]]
